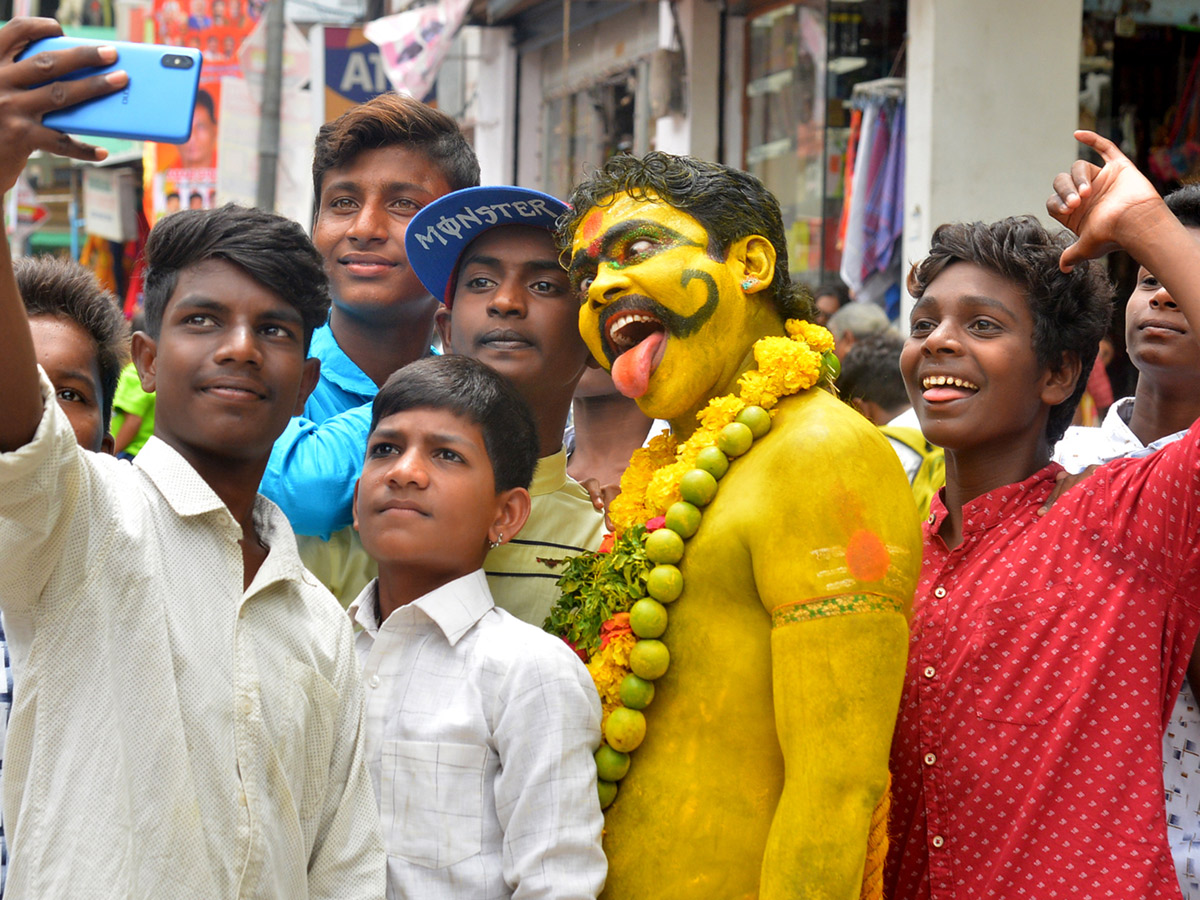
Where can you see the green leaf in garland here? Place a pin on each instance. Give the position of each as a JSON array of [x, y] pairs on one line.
[[597, 586]]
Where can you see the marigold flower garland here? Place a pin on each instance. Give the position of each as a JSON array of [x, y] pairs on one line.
[[613, 609]]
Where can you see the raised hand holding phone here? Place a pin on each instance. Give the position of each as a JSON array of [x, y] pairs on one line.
[[157, 101], [29, 90]]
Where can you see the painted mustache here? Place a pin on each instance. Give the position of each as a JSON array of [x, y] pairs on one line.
[[676, 324]]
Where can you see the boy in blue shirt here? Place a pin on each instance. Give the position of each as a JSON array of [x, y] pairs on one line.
[[374, 168]]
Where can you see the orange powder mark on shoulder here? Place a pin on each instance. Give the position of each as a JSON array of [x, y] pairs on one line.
[[867, 556]]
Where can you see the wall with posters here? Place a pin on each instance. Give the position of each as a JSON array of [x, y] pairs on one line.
[[184, 176]]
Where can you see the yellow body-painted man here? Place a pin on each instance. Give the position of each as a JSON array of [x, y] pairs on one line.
[[766, 757]]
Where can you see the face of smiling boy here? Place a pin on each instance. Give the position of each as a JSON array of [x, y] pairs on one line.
[[365, 208], [228, 365], [670, 321], [969, 364]]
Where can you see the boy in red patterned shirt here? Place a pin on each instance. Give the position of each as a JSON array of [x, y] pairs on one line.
[[1046, 652]]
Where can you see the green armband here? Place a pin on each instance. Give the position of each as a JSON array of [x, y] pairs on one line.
[[841, 605]]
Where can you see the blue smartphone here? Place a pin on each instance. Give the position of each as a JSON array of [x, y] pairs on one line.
[[156, 104]]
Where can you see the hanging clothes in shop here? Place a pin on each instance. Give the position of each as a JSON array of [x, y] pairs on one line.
[[874, 214], [856, 206], [856, 118]]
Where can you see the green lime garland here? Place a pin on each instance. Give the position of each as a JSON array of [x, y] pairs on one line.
[[663, 584]]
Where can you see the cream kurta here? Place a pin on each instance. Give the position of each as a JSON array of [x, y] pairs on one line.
[[172, 734]]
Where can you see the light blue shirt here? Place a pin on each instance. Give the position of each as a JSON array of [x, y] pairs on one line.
[[343, 384], [316, 460]]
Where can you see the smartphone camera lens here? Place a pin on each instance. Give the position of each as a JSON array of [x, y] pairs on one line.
[[176, 61]]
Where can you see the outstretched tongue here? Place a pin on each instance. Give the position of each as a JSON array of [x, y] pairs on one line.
[[631, 370], [945, 392]]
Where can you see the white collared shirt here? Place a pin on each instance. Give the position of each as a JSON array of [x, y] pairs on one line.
[[1082, 446], [480, 735], [1079, 448], [172, 734]]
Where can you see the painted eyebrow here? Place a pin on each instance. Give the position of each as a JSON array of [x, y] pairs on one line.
[[621, 231]]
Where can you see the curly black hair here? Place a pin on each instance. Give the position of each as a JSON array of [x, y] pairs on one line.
[[1071, 310], [729, 203]]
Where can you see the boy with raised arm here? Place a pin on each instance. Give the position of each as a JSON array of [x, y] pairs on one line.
[[1164, 350], [480, 728], [189, 714], [1046, 651]]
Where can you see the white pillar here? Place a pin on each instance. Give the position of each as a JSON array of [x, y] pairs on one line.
[[992, 101], [695, 132], [495, 124]]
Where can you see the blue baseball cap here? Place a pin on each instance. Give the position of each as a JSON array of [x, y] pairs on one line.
[[439, 233]]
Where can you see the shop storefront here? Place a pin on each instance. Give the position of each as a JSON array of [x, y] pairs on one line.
[[803, 63]]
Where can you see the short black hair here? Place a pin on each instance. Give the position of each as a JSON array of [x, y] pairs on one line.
[[871, 371], [395, 120], [1185, 204], [469, 389], [66, 290], [1071, 310], [272, 250], [729, 203]]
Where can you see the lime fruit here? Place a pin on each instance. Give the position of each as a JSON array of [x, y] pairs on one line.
[[649, 660], [648, 618], [611, 765], [636, 693], [664, 546], [664, 583], [757, 419], [683, 518], [735, 439], [698, 487], [831, 364], [713, 461], [608, 793], [625, 729]]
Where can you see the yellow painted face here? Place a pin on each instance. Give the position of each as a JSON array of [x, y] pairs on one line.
[[668, 320]]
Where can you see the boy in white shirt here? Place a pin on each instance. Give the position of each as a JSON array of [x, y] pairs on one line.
[[480, 728], [188, 719]]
